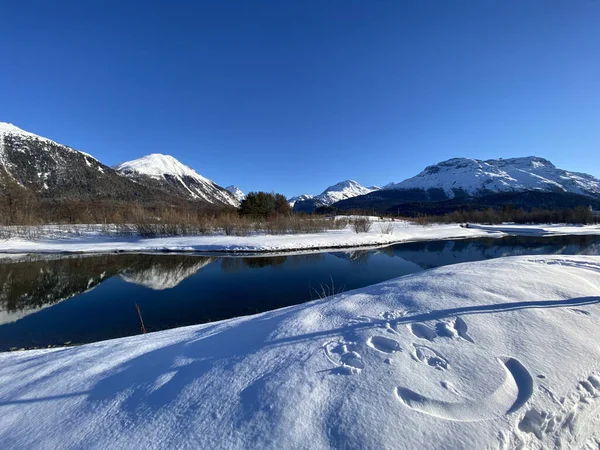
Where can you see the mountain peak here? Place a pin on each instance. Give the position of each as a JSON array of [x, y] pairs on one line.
[[475, 176], [157, 165], [299, 198], [169, 169], [236, 192], [342, 185], [342, 190]]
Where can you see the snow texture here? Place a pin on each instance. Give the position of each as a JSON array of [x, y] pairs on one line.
[[500, 354], [474, 176]]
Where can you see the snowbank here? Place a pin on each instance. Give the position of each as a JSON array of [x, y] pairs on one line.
[[495, 354], [90, 238], [58, 240]]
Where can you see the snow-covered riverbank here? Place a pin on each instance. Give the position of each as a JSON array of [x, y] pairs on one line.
[[495, 354], [89, 239]]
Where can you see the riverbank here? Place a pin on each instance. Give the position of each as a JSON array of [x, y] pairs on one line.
[[494, 354], [95, 239]]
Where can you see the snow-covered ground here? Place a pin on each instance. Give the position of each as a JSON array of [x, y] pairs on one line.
[[495, 354], [94, 239]]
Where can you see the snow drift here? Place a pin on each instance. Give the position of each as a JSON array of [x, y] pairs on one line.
[[495, 354]]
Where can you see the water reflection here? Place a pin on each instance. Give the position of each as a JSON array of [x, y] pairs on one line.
[[175, 290]]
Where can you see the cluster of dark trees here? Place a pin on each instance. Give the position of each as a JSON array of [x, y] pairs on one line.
[[264, 205]]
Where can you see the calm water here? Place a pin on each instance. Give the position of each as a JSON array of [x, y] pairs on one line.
[[82, 299]]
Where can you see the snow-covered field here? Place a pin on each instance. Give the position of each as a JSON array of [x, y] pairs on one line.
[[93, 239], [496, 354]]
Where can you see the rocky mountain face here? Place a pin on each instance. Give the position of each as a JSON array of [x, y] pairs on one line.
[[176, 178], [57, 172], [461, 183], [340, 191]]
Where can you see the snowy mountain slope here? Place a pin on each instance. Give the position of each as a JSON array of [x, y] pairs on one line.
[[343, 190], [498, 354], [56, 171], [299, 198], [236, 192], [186, 180], [472, 177], [339, 191], [12, 130]]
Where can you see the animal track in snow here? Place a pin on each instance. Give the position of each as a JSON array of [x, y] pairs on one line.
[[501, 402], [383, 344], [571, 424], [446, 329], [430, 357], [422, 331], [344, 356], [461, 328]]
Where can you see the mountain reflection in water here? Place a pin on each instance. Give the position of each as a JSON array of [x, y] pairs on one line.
[[175, 290]]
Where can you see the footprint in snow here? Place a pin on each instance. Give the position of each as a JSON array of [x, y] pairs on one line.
[[430, 357], [456, 328], [383, 344], [344, 356]]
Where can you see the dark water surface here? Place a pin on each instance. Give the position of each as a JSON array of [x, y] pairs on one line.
[[78, 299]]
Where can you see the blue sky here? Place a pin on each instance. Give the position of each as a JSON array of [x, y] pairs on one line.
[[292, 96]]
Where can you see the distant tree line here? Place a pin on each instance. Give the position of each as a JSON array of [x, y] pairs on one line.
[[21, 206]]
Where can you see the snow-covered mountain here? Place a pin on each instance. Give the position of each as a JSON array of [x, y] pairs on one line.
[[187, 181], [55, 171], [339, 191], [58, 172], [473, 177], [299, 198], [236, 192], [343, 190], [459, 183]]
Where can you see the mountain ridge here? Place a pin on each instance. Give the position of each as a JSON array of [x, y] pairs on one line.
[[340, 191], [475, 176], [57, 172], [459, 183]]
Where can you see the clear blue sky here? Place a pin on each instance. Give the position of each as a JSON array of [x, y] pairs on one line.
[[293, 96]]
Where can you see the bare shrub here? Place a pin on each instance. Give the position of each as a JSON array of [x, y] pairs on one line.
[[340, 224], [360, 224], [386, 228]]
